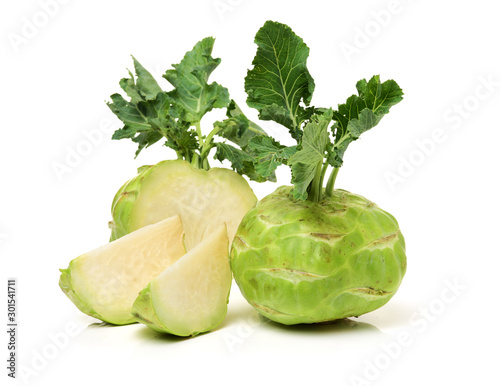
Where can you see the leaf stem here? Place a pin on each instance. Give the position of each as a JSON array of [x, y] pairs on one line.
[[208, 145], [315, 187], [195, 161], [201, 144], [198, 131], [322, 178], [206, 165], [200, 161], [331, 182], [179, 155]]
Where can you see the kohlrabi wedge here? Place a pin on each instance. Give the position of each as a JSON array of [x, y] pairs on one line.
[[308, 254], [191, 295], [203, 199], [105, 282], [187, 186]]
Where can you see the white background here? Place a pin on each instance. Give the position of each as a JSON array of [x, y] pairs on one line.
[[443, 319]]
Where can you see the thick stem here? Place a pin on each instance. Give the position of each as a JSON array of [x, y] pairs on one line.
[[200, 135], [322, 178], [208, 142], [315, 190], [205, 146], [195, 161], [206, 165], [331, 182]]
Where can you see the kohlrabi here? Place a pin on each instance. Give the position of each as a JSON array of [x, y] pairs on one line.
[[191, 295], [306, 253], [187, 186], [206, 203], [105, 282]]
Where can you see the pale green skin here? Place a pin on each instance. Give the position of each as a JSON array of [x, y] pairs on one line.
[[104, 282], [305, 262], [143, 311], [191, 296], [123, 203], [67, 288]]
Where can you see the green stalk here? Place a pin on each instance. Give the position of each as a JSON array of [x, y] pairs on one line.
[[208, 145], [206, 165], [205, 146], [322, 178], [315, 190], [331, 182], [195, 161], [198, 131]]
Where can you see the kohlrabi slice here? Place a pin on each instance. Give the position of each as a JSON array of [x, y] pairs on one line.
[[204, 199], [190, 296], [104, 283]]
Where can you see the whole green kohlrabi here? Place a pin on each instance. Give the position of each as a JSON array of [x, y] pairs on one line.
[[306, 262], [308, 254]]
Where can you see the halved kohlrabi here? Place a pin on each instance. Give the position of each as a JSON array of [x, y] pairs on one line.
[[191, 295], [105, 282], [204, 199]]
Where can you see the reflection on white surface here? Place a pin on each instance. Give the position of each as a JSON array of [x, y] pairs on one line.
[[245, 342], [364, 350]]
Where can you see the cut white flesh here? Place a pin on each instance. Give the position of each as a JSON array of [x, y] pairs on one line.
[[190, 296], [104, 283], [204, 200]]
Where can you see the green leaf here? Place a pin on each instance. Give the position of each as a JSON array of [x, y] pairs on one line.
[[129, 114], [241, 161], [146, 139], [379, 97], [280, 86], [240, 130], [125, 132], [362, 112], [144, 121], [146, 87], [237, 157], [151, 114], [305, 162], [182, 140], [335, 156], [237, 127], [269, 154], [190, 77]]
